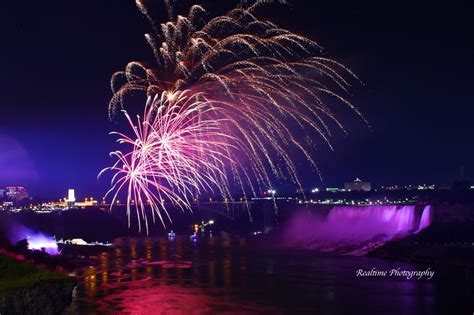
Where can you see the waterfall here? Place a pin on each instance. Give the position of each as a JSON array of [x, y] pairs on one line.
[[16, 232], [425, 220], [354, 229], [373, 220]]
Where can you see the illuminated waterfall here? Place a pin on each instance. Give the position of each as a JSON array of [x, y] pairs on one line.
[[374, 219], [354, 229], [425, 220]]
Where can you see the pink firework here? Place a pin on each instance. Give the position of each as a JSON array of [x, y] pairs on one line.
[[174, 153], [254, 91]]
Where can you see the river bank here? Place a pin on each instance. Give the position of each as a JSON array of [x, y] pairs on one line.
[[28, 289], [450, 244]]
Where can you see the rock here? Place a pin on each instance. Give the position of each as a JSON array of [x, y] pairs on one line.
[[48, 297]]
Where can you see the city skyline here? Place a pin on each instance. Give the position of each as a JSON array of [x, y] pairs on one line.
[[308, 191]]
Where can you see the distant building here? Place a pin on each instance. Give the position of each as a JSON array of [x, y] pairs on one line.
[[78, 241], [71, 198], [358, 185], [16, 193], [334, 189], [7, 204]]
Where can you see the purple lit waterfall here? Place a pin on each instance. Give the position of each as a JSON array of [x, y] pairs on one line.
[[36, 240], [354, 230], [39, 241], [372, 220], [425, 220]]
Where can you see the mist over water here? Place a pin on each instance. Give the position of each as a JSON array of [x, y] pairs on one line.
[[354, 230], [15, 232]]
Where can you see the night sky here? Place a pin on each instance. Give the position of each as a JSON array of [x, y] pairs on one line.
[[414, 57]]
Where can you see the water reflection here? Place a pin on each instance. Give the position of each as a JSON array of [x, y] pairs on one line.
[[231, 275]]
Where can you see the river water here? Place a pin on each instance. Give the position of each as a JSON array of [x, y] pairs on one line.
[[246, 276]]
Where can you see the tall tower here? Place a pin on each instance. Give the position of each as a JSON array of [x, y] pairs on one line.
[[71, 198]]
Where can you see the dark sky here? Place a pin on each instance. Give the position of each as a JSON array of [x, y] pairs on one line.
[[415, 58]]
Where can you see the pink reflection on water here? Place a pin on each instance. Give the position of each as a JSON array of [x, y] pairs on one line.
[[180, 264], [175, 300], [168, 264]]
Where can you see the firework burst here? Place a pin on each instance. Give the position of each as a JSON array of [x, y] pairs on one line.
[[267, 89], [173, 153]]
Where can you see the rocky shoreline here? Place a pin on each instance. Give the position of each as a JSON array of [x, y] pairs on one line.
[[49, 297], [29, 288], [450, 244]]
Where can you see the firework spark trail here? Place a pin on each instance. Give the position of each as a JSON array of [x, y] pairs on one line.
[[174, 152], [247, 78]]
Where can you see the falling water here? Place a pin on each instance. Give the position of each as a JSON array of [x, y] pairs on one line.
[[36, 240], [39, 241], [353, 230], [425, 218], [374, 219]]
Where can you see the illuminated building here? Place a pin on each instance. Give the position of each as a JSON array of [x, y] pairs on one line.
[[334, 189], [7, 204], [357, 185], [88, 202], [78, 241], [71, 198], [16, 193]]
